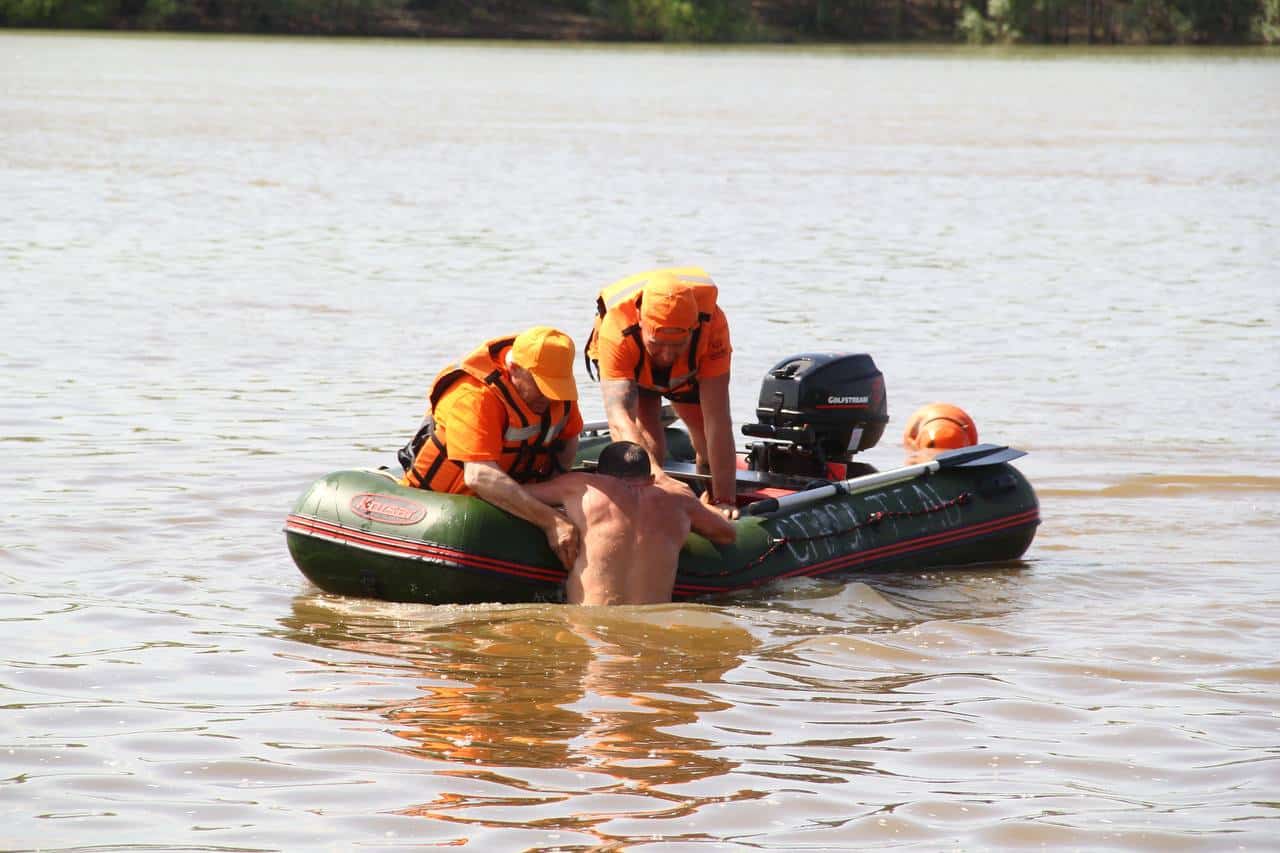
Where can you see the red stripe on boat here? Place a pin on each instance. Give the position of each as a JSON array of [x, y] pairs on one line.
[[398, 547], [846, 561], [395, 546]]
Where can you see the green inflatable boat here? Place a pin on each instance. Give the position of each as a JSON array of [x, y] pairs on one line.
[[360, 533]]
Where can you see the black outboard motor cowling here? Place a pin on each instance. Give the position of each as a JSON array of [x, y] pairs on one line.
[[817, 408]]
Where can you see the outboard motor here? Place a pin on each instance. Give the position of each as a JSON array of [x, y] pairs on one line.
[[817, 408]]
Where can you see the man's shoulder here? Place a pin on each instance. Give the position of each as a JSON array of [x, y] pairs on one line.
[[714, 345], [614, 489], [614, 327], [670, 496], [564, 487], [468, 394], [618, 351], [600, 482], [577, 479], [463, 383]]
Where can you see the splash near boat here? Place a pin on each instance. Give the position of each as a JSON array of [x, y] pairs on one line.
[[808, 509]]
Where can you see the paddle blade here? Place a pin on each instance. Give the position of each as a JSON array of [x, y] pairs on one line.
[[978, 454], [1005, 454]]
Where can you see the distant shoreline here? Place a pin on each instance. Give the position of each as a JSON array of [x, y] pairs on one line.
[[1012, 22]]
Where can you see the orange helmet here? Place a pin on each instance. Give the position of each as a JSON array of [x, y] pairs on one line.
[[940, 425]]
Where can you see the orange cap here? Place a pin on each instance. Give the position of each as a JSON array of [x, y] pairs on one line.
[[940, 425], [547, 354], [668, 309]]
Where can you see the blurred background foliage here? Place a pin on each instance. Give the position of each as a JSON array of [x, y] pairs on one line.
[[974, 21]]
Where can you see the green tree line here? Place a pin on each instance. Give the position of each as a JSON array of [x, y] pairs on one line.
[[975, 21]]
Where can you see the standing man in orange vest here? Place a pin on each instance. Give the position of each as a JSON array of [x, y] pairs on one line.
[[660, 334], [506, 415]]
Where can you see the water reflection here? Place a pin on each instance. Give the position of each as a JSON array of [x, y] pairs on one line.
[[613, 696]]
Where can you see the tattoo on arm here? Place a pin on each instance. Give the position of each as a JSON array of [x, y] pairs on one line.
[[620, 394], [622, 408]]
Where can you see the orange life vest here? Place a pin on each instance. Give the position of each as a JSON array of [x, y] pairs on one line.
[[626, 297], [530, 443]]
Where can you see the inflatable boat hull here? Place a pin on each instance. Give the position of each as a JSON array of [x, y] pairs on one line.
[[359, 533]]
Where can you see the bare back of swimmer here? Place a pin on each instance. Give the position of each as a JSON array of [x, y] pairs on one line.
[[632, 528]]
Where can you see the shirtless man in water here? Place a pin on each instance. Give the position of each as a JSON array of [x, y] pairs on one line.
[[632, 528]]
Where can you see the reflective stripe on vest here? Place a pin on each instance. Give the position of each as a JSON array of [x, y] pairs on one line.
[[517, 435], [618, 292], [613, 300]]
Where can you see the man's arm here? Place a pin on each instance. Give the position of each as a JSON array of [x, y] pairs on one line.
[[710, 523], [569, 453], [622, 408], [718, 423], [560, 490], [494, 485]]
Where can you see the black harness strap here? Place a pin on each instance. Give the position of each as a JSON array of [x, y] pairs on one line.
[[495, 379], [633, 332]]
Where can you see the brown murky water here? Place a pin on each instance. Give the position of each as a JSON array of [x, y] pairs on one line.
[[228, 266]]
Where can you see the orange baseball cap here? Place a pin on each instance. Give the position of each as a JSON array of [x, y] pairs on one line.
[[547, 354], [669, 310]]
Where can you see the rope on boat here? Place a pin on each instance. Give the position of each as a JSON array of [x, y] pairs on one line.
[[873, 519]]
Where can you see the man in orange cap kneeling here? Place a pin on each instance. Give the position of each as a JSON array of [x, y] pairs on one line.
[[506, 415]]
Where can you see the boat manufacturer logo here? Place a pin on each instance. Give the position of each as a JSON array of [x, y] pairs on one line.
[[847, 401], [387, 509]]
